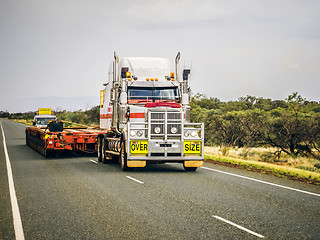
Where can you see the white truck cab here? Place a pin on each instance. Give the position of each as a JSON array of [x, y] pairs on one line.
[[145, 108]]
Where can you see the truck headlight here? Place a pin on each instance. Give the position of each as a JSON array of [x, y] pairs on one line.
[[157, 130], [132, 133], [174, 130], [194, 133], [139, 133], [191, 133]]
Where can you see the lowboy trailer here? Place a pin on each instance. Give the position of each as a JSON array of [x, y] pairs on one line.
[[48, 141]]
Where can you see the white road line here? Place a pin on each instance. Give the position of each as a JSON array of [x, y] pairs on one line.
[[91, 160], [135, 180], [238, 226], [17, 223], [260, 181]]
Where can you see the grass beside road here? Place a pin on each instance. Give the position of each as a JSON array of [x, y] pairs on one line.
[[268, 168], [27, 122]]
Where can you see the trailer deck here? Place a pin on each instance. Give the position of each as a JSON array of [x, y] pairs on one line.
[[48, 142]]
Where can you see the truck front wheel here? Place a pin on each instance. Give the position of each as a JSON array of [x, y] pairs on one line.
[[190, 169], [123, 159]]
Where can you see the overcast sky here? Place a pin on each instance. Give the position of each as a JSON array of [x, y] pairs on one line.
[[237, 48]]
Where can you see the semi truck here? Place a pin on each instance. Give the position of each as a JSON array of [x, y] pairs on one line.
[[145, 112]]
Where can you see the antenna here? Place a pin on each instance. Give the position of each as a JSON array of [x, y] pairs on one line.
[[177, 63]]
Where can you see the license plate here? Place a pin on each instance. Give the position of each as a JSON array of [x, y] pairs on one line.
[[192, 147], [138, 147], [165, 145]]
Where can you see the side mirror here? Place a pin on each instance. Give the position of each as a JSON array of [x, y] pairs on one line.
[[34, 123], [186, 72]]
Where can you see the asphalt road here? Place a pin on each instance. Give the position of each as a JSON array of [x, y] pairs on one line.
[[77, 198]]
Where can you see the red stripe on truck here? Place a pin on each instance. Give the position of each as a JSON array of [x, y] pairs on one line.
[[132, 115], [162, 104], [106, 116], [137, 115]]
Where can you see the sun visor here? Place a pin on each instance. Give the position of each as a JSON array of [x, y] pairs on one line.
[[152, 84]]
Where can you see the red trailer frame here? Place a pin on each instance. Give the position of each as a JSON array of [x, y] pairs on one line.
[[70, 139]]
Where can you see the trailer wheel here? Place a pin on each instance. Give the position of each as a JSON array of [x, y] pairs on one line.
[[99, 149], [27, 139], [123, 159], [47, 153]]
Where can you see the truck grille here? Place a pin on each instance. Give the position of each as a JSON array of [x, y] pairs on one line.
[[165, 121]]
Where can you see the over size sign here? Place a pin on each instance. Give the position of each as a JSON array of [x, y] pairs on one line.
[[138, 147], [192, 147]]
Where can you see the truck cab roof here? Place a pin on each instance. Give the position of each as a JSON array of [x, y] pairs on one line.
[[146, 67], [45, 116]]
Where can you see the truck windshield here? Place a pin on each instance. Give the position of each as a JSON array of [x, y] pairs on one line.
[[143, 95], [44, 121]]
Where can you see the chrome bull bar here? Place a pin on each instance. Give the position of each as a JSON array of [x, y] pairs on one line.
[[167, 142]]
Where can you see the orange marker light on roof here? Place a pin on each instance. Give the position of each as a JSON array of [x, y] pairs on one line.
[[128, 74], [151, 79], [156, 79], [172, 74], [147, 79]]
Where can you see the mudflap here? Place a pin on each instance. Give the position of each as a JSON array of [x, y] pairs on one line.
[[193, 163], [136, 163]]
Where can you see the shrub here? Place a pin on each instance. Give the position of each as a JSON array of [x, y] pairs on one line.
[[224, 150], [317, 165], [267, 157]]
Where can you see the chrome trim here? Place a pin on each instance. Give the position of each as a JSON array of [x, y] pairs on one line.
[[169, 117]]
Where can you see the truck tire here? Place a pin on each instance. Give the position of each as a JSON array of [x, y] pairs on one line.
[[123, 159], [27, 139], [105, 158], [103, 150], [99, 149], [47, 153], [190, 169]]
